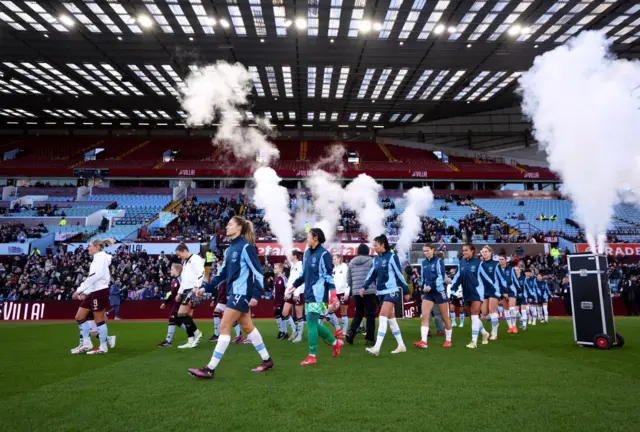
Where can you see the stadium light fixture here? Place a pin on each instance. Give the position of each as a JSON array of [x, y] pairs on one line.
[[515, 30], [301, 23], [288, 23], [440, 28], [211, 21], [377, 26], [66, 20], [261, 40], [331, 41], [525, 30], [144, 21], [224, 23], [451, 29], [365, 26]]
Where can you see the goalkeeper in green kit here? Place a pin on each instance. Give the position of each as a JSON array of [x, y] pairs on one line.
[[319, 289]]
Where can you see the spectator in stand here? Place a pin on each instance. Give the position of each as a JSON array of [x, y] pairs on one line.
[[114, 299]]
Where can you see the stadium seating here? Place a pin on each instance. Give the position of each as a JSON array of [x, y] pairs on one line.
[[531, 210]]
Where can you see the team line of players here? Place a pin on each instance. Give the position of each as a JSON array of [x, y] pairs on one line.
[[480, 284]]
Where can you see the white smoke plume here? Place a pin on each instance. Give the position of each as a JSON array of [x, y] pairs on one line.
[[333, 160], [361, 196], [327, 195], [586, 116], [419, 202], [274, 200], [217, 93]]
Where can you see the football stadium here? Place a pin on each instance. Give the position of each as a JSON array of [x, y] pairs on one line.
[[319, 215]]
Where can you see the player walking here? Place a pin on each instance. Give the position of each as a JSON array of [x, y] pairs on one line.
[[173, 301], [531, 285], [509, 291], [243, 273], [388, 278], [492, 281], [343, 290], [433, 274], [521, 298], [279, 284], [191, 280], [470, 276], [317, 271], [543, 299], [94, 294], [294, 297]]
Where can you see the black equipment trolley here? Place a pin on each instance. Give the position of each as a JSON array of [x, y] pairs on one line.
[[593, 322]]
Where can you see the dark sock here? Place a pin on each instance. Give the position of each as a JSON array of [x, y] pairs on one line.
[[190, 325]]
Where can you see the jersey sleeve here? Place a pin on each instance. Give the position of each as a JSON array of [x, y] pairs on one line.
[[440, 277], [326, 271], [457, 281], [212, 286], [250, 257], [499, 280], [395, 267], [371, 276]]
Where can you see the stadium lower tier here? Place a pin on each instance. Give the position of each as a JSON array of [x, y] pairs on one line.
[[150, 310]]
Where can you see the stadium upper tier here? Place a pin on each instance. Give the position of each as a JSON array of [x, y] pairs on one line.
[[199, 157]]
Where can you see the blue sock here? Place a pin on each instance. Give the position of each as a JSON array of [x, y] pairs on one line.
[[461, 318], [345, 323], [216, 325], [84, 331], [104, 333], [170, 332], [279, 321], [236, 328]]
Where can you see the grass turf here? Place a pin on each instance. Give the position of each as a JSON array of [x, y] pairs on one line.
[[536, 380]]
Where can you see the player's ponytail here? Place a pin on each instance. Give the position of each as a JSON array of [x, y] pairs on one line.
[[246, 229], [103, 243]]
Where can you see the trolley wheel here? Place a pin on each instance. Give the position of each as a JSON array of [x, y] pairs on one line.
[[619, 340], [602, 341]]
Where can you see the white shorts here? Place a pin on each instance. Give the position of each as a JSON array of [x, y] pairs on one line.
[[220, 307]]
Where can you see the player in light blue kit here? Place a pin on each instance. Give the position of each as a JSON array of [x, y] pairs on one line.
[[388, 278], [433, 275], [470, 276], [244, 283], [543, 299], [509, 292], [492, 279], [531, 289]]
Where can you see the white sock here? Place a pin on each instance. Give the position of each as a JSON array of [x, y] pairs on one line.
[[382, 331], [221, 347], [545, 310], [395, 328], [84, 331], [524, 317], [279, 321], [481, 328], [461, 320], [216, 325], [475, 328], [300, 328], [494, 323], [256, 339], [453, 318], [292, 325], [170, 332], [345, 323], [424, 333], [448, 334], [514, 313], [333, 319], [534, 314], [236, 328], [183, 327]]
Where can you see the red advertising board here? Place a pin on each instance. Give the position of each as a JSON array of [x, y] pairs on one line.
[[150, 310], [617, 249]]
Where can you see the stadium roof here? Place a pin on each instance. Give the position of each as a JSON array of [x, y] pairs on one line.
[[324, 64]]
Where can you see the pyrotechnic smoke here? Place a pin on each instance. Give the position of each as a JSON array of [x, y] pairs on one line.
[[217, 93], [419, 201], [586, 116], [361, 196], [327, 196], [333, 160], [274, 200]]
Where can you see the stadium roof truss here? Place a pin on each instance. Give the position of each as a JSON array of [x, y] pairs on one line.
[[318, 63]]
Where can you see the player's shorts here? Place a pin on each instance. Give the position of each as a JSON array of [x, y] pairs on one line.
[[543, 300], [96, 301], [173, 312], [189, 299], [239, 303], [221, 298], [491, 293], [435, 297], [456, 301], [521, 301], [220, 307], [342, 300], [393, 297], [532, 300], [291, 300]]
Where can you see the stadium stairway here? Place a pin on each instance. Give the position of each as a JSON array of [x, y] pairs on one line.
[[82, 151], [386, 152], [512, 229], [131, 150], [518, 167], [453, 167], [303, 150]]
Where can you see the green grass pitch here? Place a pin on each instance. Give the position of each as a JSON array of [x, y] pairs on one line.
[[538, 380]]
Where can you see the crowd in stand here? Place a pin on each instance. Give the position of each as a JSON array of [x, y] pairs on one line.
[[18, 232]]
